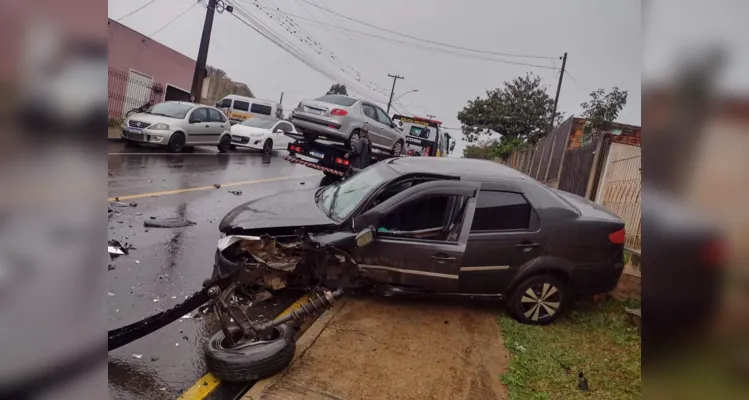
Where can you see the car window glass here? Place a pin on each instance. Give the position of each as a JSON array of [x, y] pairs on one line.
[[286, 127], [200, 115], [426, 218], [215, 115], [383, 117], [260, 109], [369, 111], [497, 211], [225, 103], [241, 105]]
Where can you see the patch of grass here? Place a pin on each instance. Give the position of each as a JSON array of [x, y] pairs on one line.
[[596, 339]]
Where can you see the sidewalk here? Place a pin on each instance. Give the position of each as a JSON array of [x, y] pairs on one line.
[[379, 348]]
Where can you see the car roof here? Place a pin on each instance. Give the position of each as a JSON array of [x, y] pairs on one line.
[[465, 168]]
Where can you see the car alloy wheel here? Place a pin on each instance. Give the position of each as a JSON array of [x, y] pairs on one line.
[[541, 301], [538, 300], [353, 139], [177, 142], [398, 148], [224, 145], [267, 146]]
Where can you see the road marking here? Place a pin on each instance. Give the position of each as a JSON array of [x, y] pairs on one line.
[[195, 189], [208, 383]]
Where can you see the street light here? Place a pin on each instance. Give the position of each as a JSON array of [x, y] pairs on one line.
[[410, 91]]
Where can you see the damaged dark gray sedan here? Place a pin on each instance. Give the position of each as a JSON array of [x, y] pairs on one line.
[[457, 228]]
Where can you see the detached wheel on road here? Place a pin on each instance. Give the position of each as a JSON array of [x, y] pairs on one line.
[[224, 144], [538, 300], [398, 148], [177, 142], [267, 146], [251, 361]]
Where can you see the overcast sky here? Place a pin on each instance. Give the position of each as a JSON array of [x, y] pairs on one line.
[[602, 39]]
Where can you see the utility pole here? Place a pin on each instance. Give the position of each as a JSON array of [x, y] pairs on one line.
[[395, 78], [556, 98], [281, 101], [205, 39]]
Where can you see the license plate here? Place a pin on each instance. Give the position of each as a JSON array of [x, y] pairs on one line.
[[314, 111], [316, 154], [135, 130]]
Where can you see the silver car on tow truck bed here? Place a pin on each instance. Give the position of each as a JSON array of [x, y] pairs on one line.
[[341, 118]]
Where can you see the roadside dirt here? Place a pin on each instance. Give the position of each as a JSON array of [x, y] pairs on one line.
[[377, 348]]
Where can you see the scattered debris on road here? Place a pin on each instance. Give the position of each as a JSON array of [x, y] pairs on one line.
[[217, 186], [118, 204], [115, 251], [167, 223], [236, 192], [138, 356], [261, 297], [154, 359], [110, 294], [110, 267]]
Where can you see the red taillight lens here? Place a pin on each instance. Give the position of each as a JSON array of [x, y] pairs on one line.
[[341, 161], [339, 112], [618, 237], [295, 148]]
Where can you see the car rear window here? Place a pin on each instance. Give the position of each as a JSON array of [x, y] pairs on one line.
[[500, 211], [241, 105], [337, 99], [261, 109]]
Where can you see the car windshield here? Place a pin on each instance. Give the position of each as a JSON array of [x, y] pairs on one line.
[[338, 100], [339, 200], [259, 123], [173, 110]]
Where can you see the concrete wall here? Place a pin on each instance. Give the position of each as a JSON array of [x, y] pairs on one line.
[[129, 49]]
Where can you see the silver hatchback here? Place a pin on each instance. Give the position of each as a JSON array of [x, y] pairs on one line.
[[178, 124], [341, 118]]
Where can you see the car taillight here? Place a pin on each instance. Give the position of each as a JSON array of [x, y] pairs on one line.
[[295, 148], [338, 111], [714, 253], [341, 161], [618, 237]]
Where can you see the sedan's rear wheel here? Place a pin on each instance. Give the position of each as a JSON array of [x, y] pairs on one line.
[[355, 136], [398, 148], [538, 300]]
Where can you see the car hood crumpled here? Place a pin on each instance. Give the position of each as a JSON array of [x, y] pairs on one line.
[[287, 209]]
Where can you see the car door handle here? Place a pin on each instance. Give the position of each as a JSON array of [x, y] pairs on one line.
[[443, 258], [527, 246]]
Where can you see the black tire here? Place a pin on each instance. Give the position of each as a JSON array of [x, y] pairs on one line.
[[267, 146], [177, 142], [538, 299], [251, 361], [353, 138], [233, 147], [224, 144], [330, 174], [397, 148]]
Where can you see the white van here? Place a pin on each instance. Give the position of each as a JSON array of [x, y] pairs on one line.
[[239, 108]]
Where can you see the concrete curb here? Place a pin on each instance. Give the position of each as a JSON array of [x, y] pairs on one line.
[[302, 345]]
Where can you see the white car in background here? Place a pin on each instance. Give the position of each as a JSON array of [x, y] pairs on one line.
[[264, 134]]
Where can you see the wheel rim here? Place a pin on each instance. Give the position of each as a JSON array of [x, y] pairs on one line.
[[179, 143], [541, 301], [398, 149], [354, 138], [267, 147], [225, 144]]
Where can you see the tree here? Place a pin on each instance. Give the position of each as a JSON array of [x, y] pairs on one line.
[[601, 111], [217, 72], [519, 110], [338, 88]]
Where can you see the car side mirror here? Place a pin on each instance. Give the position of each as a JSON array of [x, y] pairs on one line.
[[393, 125], [452, 146], [279, 131], [367, 220], [365, 237]]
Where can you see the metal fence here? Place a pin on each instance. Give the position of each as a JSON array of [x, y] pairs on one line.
[[621, 189], [129, 90]]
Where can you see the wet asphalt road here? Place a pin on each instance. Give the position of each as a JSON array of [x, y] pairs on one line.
[[169, 264]]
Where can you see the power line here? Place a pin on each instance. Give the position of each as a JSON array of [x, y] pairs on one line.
[[420, 39], [575, 80], [135, 11], [174, 19], [418, 46]]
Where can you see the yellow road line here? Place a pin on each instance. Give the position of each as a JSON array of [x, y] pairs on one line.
[[195, 189], [208, 383]]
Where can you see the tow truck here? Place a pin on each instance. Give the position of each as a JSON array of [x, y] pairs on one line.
[[331, 157], [326, 156]]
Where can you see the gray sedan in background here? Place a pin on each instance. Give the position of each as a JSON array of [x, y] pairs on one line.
[[341, 118], [178, 124]]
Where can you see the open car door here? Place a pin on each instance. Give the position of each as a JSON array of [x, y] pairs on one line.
[[420, 236]]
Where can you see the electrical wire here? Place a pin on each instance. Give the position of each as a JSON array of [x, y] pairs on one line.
[[135, 11], [174, 19], [575, 80], [423, 40], [418, 46]]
